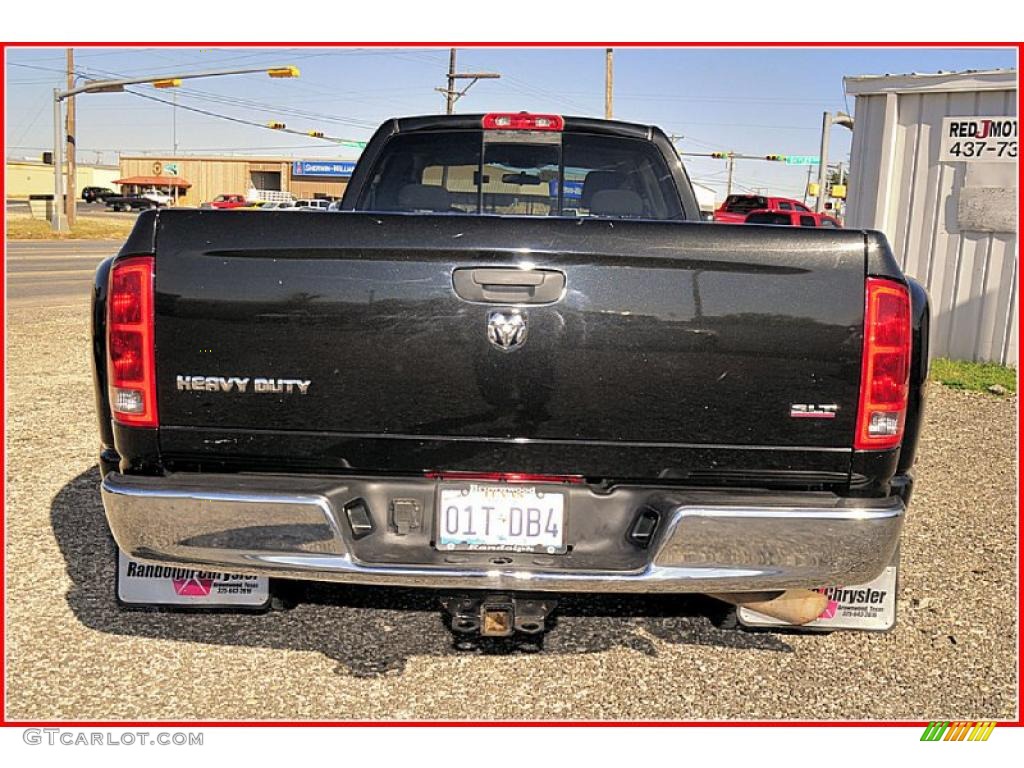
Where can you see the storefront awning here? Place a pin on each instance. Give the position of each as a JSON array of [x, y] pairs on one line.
[[155, 181]]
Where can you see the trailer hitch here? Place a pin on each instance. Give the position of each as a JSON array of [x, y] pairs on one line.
[[497, 615]]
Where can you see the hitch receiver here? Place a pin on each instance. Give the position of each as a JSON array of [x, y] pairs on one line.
[[497, 615]]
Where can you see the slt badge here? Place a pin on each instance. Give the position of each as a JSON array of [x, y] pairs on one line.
[[506, 329]]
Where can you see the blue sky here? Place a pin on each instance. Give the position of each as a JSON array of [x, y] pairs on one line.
[[752, 101]]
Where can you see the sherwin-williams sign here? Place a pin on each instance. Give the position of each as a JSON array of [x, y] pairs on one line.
[[322, 168]]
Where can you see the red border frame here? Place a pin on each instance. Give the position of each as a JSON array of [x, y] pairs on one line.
[[4, 722]]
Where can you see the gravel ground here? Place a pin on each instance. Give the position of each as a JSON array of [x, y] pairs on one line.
[[347, 653]]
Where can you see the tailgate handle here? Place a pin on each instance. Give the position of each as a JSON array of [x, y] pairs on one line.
[[509, 286]]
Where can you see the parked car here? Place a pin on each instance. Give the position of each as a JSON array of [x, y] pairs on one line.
[[228, 201], [313, 205], [793, 219], [279, 205], [161, 198], [736, 207], [97, 194], [431, 388], [132, 203]]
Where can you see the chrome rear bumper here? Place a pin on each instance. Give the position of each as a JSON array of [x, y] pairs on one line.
[[295, 527]]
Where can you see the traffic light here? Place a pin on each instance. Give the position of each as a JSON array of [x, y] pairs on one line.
[[315, 134], [47, 158], [276, 125], [173, 82], [283, 72], [720, 155], [776, 158]]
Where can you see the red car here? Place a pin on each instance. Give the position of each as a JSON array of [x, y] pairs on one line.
[[802, 218], [736, 207], [229, 201]]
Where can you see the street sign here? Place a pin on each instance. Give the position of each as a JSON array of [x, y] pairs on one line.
[[322, 168], [802, 159]]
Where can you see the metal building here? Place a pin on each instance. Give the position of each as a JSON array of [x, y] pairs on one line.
[[944, 191], [207, 177]]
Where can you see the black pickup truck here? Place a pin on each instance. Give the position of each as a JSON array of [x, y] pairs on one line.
[[515, 362]]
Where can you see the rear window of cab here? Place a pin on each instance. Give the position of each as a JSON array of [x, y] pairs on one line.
[[517, 173]]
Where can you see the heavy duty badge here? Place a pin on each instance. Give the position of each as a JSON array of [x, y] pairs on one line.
[[242, 384]]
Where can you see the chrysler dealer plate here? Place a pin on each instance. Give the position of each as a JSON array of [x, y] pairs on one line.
[[496, 517], [870, 606], [145, 584]]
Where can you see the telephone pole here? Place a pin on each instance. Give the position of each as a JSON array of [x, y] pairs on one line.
[[174, 123], [70, 198], [608, 76], [732, 164], [451, 95]]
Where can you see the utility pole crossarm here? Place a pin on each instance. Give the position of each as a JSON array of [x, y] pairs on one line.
[[450, 94]]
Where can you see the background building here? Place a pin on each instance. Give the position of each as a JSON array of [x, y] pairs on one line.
[[951, 217], [240, 175], [31, 177]]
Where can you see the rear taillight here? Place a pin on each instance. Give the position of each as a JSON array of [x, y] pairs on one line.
[[522, 121], [131, 374], [885, 371]]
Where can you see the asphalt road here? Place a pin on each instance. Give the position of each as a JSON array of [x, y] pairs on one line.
[[83, 208], [53, 273], [351, 653]]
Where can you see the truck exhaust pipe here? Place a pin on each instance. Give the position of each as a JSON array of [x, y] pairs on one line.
[[794, 606]]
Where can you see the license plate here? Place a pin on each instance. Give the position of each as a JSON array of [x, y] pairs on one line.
[[501, 518]]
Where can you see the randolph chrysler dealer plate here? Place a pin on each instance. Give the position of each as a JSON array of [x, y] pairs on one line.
[[147, 584], [498, 517], [870, 607]]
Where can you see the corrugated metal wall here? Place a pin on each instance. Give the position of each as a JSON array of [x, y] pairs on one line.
[[897, 185]]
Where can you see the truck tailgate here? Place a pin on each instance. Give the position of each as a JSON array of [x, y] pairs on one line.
[[677, 349]]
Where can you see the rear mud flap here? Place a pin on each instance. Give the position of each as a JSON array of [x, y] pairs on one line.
[[867, 607], [140, 585]]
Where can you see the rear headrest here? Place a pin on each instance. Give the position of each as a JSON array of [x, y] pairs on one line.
[[595, 181], [424, 197], [617, 202]]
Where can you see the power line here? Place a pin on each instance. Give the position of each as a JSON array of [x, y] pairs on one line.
[[252, 104], [239, 120]]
